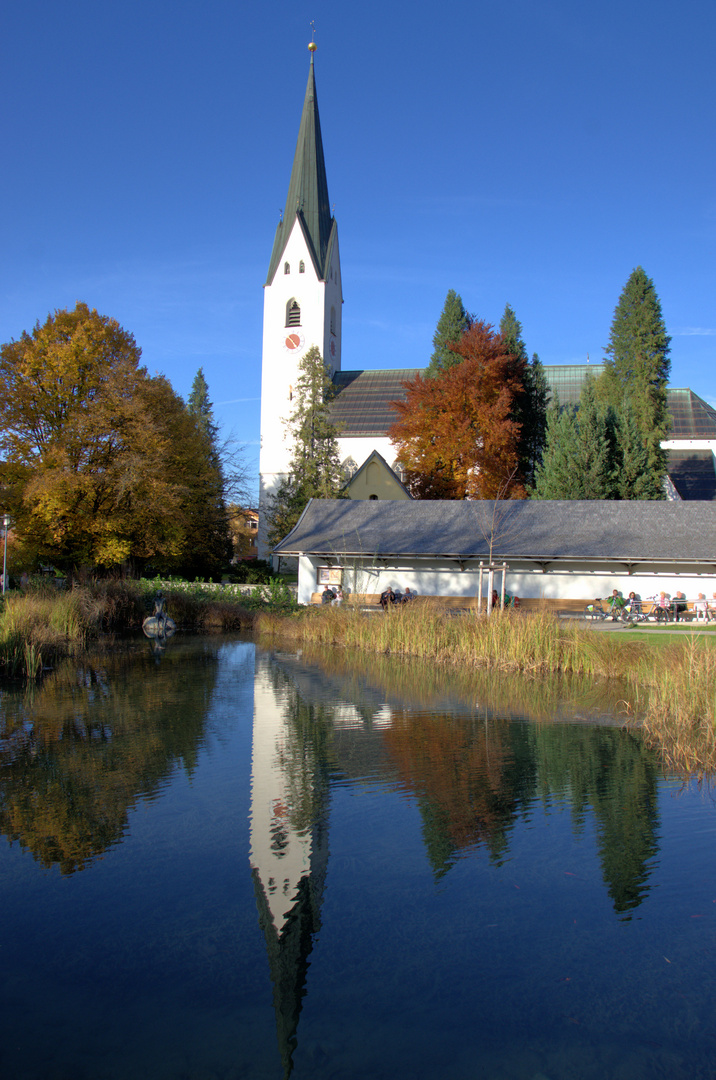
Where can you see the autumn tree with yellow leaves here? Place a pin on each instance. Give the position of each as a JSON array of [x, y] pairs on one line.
[[100, 464]]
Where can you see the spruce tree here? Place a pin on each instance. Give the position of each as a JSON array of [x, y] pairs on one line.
[[595, 450], [200, 407], [531, 404], [452, 324], [635, 481], [580, 458], [314, 470], [555, 474], [637, 369], [212, 548]]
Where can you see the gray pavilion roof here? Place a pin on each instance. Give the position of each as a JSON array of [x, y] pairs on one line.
[[307, 197], [599, 531]]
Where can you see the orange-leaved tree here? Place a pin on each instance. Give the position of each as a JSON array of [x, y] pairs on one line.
[[456, 434]]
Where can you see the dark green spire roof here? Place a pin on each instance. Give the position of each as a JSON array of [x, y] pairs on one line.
[[307, 196]]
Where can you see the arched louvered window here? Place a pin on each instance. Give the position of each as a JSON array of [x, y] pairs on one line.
[[286, 268], [333, 320], [293, 313], [302, 267]]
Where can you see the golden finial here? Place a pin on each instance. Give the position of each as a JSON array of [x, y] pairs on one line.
[[312, 44]]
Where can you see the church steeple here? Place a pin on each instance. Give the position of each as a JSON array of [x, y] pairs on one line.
[[303, 299], [307, 197]]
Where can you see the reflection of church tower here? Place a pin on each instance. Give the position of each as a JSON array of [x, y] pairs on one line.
[[289, 847], [302, 295]]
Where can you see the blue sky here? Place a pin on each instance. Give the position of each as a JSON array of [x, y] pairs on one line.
[[530, 153]]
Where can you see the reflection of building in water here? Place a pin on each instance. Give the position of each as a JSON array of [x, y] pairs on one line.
[[472, 772], [288, 838]]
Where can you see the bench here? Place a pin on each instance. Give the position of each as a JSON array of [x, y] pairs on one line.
[[557, 606]]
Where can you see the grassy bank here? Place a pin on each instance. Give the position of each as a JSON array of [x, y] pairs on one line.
[[42, 623], [670, 687]]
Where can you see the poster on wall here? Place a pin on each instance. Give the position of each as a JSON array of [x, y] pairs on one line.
[[330, 575]]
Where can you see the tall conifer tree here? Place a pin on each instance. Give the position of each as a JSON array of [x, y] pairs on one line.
[[452, 324], [531, 405], [637, 369], [315, 469], [580, 457]]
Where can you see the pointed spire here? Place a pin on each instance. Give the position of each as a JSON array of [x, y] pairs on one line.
[[308, 188]]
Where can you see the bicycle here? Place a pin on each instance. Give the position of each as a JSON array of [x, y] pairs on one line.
[[595, 612]]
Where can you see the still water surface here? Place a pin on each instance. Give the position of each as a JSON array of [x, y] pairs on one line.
[[237, 863]]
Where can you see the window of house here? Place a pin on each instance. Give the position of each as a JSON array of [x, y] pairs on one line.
[[286, 268], [302, 267], [333, 320], [293, 313]]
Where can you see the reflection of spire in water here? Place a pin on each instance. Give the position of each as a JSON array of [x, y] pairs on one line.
[[289, 847]]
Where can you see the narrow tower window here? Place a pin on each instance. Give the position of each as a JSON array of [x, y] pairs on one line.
[[293, 313], [286, 268], [333, 320], [302, 267]]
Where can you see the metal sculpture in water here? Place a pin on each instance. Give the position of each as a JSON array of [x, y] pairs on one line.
[[159, 627]]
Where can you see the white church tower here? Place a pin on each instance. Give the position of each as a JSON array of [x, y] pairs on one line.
[[302, 297]]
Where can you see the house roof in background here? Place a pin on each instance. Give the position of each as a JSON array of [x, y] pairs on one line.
[[362, 406], [692, 417]]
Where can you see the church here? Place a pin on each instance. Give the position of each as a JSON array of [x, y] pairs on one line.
[[303, 300]]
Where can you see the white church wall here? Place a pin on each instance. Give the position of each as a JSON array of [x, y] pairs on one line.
[[360, 449]]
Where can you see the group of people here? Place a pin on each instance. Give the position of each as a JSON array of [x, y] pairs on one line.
[[395, 596], [332, 595], [510, 601], [672, 607]]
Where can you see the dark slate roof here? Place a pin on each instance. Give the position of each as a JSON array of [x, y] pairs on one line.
[[307, 196], [362, 402], [692, 417], [627, 532], [693, 473]]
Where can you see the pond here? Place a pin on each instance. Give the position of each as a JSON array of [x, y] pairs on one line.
[[229, 862]]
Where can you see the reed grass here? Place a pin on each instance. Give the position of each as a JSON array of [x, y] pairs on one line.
[[667, 690], [42, 624]]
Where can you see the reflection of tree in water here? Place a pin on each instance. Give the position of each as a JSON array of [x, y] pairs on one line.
[[78, 751], [473, 777], [614, 774], [470, 776], [474, 772]]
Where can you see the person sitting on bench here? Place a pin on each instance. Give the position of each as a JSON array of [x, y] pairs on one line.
[[387, 597]]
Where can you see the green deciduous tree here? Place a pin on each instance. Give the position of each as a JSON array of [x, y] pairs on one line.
[[314, 470], [637, 369], [452, 324]]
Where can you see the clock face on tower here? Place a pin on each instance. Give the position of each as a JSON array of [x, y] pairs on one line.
[[293, 342]]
